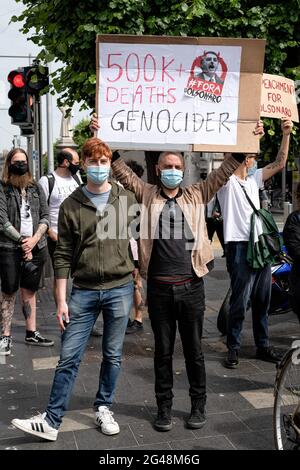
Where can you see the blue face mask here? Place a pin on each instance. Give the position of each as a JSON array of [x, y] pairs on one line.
[[171, 179], [253, 169], [97, 174]]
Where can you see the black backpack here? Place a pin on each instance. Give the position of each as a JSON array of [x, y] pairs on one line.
[[51, 183]]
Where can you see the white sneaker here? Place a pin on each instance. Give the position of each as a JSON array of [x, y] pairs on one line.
[[38, 426], [104, 419], [5, 345]]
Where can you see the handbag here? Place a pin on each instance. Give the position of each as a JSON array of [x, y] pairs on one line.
[[265, 241]]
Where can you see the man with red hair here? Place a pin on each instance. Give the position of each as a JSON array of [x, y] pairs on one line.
[[95, 249]]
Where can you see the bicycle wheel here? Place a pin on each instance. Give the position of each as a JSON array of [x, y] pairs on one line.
[[286, 413]]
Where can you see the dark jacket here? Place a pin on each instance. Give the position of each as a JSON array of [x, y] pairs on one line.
[[10, 200], [291, 236], [96, 259]]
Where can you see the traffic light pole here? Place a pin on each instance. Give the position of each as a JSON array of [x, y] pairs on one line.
[[38, 135], [29, 153]]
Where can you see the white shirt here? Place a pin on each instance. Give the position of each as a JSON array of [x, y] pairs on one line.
[[26, 229], [63, 187], [235, 208]]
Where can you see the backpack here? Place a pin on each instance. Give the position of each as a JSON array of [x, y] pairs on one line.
[[51, 183]]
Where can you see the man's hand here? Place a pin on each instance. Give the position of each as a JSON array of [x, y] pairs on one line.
[[28, 244], [216, 215], [27, 256], [62, 315], [286, 126], [94, 124], [259, 129], [52, 235]]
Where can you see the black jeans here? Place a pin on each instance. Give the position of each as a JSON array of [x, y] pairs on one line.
[[167, 305]]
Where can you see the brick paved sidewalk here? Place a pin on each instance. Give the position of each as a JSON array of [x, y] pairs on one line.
[[239, 403]]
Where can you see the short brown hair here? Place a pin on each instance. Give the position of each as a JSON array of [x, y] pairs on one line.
[[162, 155], [95, 148]]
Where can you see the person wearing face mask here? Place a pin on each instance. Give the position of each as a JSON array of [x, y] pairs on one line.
[[174, 255], [57, 187], [248, 284], [93, 245], [24, 219]]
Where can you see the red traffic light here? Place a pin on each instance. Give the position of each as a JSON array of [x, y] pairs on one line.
[[16, 79], [21, 110]]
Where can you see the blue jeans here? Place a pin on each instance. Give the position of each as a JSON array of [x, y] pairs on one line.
[[248, 285], [84, 308]]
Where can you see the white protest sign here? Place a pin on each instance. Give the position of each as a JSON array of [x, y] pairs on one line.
[[278, 97], [160, 93]]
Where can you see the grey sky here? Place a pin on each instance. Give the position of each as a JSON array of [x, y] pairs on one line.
[[14, 43]]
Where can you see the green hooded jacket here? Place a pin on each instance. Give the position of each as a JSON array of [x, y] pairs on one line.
[[94, 247]]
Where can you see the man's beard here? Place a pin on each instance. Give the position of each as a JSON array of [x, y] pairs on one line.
[[20, 181]]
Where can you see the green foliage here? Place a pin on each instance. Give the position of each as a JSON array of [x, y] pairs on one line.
[[66, 32], [81, 133]]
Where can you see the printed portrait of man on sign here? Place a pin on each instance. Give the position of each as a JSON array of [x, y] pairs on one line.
[[208, 74]]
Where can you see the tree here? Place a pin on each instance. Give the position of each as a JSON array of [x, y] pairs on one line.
[[81, 133], [66, 32]]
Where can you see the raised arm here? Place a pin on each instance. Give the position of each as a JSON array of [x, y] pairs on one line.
[[217, 178], [280, 162], [127, 177]]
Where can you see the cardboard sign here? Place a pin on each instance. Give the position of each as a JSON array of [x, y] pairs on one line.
[[156, 93], [278, 98]]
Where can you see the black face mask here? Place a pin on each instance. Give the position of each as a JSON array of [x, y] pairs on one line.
[[73, 168], [18, 168]]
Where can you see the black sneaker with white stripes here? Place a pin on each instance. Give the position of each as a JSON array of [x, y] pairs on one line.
[[36, 339], [38, 426]]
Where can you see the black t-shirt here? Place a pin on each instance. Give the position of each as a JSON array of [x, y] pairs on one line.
[[172, 245]]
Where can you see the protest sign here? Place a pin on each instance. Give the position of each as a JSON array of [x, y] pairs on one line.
[[278, 98], [158, 92]]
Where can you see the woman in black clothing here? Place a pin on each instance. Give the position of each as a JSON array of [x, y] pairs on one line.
[[24, 220]]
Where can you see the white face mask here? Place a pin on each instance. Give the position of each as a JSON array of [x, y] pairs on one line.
[[253, 169]]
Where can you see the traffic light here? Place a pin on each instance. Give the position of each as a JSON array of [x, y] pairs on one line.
[[26, 85], [37, 78], [21, 109]]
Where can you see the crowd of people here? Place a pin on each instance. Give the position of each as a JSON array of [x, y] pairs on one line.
[[112, 231]]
